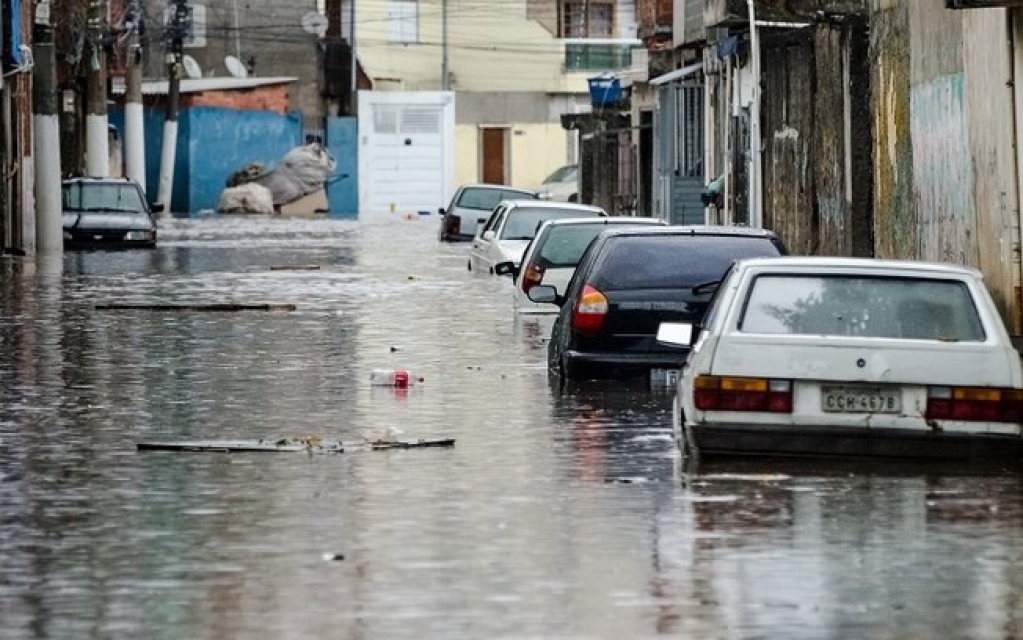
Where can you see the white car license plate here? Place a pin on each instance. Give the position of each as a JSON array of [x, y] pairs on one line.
[[860, 400], [663, 377]]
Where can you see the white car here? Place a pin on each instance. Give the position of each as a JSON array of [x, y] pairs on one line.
[[562, 185], [472, 204], [513, 224], [850, 358], [553, 254]]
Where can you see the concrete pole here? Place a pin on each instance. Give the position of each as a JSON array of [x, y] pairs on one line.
[[444, 83], [46, 138], [756, 191], [97, 145], [168, 152], [353, 105], [134, 127]]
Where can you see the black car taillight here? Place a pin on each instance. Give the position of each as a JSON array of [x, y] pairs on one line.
[[452, 225], [589, 312]]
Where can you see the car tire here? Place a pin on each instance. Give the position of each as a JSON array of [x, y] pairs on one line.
[[573, 198]]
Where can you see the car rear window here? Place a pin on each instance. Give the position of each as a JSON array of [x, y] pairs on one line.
[[870, 307], [486, 199], [564, 246], [523, 222], [673, 261]]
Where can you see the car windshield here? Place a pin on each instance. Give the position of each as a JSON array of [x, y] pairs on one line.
[[869, 307], [485, 199], [101, 197], [523, 222], [564, 174], [564, 245], [673, 261]]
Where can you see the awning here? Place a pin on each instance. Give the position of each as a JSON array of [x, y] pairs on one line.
[[677, 74]]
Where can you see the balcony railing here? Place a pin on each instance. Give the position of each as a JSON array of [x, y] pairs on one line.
[[595, 55]]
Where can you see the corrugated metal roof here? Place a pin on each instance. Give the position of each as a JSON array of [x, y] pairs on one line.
[[198, 85]]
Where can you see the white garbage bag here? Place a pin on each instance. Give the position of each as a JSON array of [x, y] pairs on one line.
[[246, 198], [300, 172]]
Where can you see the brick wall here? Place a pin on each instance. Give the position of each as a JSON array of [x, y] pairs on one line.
[[270, 98]]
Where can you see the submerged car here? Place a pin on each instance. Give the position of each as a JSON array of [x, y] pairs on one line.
[[472, 205], [850, 357], [107, 213], [512, 226], [562, 185], [629, 281], [552, 256]]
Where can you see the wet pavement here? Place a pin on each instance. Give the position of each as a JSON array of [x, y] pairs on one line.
[[556, 515]]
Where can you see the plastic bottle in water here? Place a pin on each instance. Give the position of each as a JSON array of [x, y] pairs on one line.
[[398, 378]]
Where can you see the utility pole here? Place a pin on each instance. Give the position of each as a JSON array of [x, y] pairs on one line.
[[353, 105], [46, 138], [97, 146], [174, 41], [134, 127], [444, 83]]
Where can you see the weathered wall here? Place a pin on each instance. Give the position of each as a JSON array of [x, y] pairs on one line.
[[895, 221], [988, 100], [343, 143], [269, 98]]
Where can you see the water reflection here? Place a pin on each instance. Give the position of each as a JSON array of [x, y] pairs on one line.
[[558, 513]]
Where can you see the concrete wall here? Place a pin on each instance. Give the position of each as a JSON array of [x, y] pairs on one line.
[[343, 143]]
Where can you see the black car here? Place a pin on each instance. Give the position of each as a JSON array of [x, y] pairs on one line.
[[106, 213], [629, 281]]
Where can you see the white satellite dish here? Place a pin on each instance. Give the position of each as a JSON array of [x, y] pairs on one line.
[[192, 68], [315, 23], [236, 67]]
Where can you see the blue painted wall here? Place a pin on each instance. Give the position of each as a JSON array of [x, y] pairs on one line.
[[343, 191], [213, 143]]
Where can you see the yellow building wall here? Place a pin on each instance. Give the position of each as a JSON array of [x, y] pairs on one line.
[[496, 49], [534, 150]]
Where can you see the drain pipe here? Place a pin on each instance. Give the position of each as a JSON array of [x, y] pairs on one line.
[[756, 211]]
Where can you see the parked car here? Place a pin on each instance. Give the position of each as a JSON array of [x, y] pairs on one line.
[[513, 224], [107, 213], [472, 205], [551, 257], [629, 281], [850, 357], [562, 185]]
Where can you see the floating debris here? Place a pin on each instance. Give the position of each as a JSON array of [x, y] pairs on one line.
[[312, 444], [294, 267], [333, 557], [220, 307]]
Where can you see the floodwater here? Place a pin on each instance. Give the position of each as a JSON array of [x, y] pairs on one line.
[[553, 516]]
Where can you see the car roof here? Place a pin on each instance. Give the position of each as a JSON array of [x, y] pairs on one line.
[[547, 204], [99, 180], [607, 220], [693, 230], [496, 187], [818, 264]]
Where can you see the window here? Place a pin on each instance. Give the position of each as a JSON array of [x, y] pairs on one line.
[[867, 307], [403, 21], [586, 19], [102, 197]]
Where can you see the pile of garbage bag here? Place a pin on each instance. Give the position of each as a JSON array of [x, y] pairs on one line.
[[301, 171]]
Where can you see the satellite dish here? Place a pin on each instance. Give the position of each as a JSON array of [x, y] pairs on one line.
[[192, 68], [236, 67], [315, 23]]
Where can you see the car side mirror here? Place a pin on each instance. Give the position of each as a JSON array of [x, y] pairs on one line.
[[506, 268], [156, 207], [544, 294], [440, 210], [679, 334], [489, 235]]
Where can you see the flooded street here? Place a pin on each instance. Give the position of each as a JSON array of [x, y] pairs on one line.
[[553, 516]]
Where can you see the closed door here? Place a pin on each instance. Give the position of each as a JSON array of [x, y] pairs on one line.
[[493, 144]]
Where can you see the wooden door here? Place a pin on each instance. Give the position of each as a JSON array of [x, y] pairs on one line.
[[493, 156]]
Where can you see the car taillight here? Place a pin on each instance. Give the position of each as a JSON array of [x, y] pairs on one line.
[[985, 404], [588, 314], [532, 275], [716, 393], [452, 225]]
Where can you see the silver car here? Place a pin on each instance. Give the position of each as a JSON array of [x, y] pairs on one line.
[[472, 205]]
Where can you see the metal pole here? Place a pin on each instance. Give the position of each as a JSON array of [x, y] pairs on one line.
[[237, 31], [444, 83], [134, 128], [352, 102], [46, 138], [756, 211], [97, 146]]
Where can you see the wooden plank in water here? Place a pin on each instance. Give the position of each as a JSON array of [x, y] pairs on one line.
[[314, 445], [219, 307]]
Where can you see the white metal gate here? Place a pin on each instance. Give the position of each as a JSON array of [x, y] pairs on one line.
[[406, 150]]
